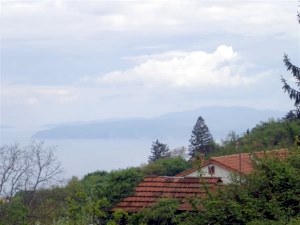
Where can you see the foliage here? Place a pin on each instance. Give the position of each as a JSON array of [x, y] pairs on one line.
[[162, 213], [271, 193], [293, 114], [82, 209], [121, 183], [13, 213], [272, 134], [158, 151], [293, 94], [201, 140], [166, 167], [120, 217], [179, 152]]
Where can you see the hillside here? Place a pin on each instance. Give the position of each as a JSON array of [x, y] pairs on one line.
[[220, 121]]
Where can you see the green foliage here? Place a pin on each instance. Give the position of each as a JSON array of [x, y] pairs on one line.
[[82, 209], [121, 183], [13, 213], [273, 134], [166, 167], [294, 221], [162, 213], [271, 193], [293, 93], [120, 217], [158, 151], [90, 199], [293, 114]]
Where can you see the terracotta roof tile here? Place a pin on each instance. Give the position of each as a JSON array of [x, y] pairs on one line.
[[243, 162], [151, 189], [232, 162]]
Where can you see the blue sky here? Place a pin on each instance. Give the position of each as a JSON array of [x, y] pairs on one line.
[[88, 60]]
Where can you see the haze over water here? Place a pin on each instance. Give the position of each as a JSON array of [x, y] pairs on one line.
[[82, 156]]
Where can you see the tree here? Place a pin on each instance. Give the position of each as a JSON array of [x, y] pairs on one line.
[[293, 93], [179, 152], [201, 140], [293, 114], [25, 174], [161, 213], [27, 169], [158, 151], [166, 166]]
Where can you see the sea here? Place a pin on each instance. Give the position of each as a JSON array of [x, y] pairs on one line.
[[82, 156]]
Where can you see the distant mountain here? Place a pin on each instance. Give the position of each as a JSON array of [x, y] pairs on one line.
[[219, 119]]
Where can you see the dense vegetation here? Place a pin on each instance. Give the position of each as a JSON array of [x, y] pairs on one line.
[[273, 134]]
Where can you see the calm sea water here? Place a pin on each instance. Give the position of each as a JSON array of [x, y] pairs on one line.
[[81, 156]]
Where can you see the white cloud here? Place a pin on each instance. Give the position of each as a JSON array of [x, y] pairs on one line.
[[83, 19], [181, 69], [34, 95]]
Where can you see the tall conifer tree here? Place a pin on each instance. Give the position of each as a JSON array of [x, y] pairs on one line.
[[293, 93], [201, 141], [158, 151]]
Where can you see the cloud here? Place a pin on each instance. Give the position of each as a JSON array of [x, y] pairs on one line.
[[84, 19], [34, 95], [184, 70]]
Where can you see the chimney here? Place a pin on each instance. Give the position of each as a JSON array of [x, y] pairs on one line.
[[198, 158], [201, 158]]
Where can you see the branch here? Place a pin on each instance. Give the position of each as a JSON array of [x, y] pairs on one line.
[[290, 67], [293, 94]]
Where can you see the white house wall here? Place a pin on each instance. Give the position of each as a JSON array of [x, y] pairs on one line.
[[219, 172]]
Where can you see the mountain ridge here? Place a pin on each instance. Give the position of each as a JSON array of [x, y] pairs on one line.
[[219, 119]]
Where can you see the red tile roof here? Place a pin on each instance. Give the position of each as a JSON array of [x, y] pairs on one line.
[[233, 162], [151, 189]]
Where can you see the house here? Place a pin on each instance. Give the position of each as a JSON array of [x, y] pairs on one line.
[[151, 189], [189, 185], [225, 166]]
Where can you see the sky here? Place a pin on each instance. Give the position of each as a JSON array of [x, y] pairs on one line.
[[85, 60]]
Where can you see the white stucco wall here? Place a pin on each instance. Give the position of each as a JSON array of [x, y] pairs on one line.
[[219, 172]]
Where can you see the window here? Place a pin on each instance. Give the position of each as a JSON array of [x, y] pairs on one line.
[[211, 170]]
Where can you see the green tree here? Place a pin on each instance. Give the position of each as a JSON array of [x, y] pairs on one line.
[[293, 93], [166, 166], [158, 151], [293, 114], [121, 183], [270, 135], [13, 213], [162, 213], [201, 140]]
